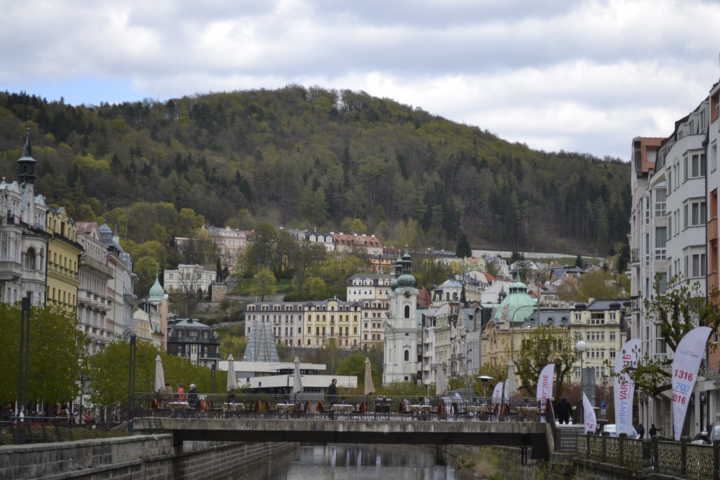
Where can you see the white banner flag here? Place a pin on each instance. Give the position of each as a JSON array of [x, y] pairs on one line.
[[685, 366], [624, 386], [545, 385], [589, 413], [498, 393]]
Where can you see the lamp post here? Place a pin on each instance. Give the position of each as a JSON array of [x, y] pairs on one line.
[[131, 381], [580, 348]]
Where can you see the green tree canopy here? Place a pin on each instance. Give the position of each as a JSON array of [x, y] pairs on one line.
[[56, 355], [542, 346]]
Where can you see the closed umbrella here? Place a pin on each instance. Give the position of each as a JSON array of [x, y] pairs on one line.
[[231, 377], [297, 378], [369, 387], [159, 374]]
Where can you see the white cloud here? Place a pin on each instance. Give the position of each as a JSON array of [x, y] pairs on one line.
[[586, 75]]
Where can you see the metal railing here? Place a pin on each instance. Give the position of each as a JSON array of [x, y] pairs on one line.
[[657, 456], [317, 405], [53, 429]]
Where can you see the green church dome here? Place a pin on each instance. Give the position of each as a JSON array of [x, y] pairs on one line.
[[156, 291], [406, 280], [517, 306]]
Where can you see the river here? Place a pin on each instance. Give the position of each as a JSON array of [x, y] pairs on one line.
[[361, 462]]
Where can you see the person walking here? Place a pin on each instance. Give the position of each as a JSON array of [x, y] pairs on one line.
[[332, 396], [180, 393], [564, 411], [653, 431], [640, 429], [193, 400]]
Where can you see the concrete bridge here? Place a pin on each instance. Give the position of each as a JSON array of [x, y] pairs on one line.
[[416, 432]]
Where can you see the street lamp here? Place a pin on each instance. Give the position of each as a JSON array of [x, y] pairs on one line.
[[580, 348]]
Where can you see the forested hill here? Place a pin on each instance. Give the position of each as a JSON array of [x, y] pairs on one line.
[[313, 157]]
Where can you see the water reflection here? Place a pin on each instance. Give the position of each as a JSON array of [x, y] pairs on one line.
[[360, 462]]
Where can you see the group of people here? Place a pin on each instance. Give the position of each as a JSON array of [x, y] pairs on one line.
[[191, 397]]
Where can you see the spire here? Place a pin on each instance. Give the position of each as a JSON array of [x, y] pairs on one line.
[[27, 148], [26, 163]]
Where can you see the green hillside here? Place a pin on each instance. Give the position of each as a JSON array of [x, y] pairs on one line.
[[312, 158]]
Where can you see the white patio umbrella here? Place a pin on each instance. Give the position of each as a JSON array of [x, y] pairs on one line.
[[297, 378], [159, 374], [231, 377], [369, 386], [440, 381]]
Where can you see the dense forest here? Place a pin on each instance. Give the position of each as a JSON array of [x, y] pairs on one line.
[[310, 157]]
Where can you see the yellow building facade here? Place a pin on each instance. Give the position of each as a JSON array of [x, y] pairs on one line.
[[63, 261]]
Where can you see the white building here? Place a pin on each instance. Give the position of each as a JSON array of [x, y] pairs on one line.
[[23, 240], [401, 329], [668, 236], [372, 291], [93, 299], [189, 278]]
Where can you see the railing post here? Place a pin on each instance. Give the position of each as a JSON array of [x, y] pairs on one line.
[[656, 455], [604, 448], [621, 448], [716, 460], [683, 456], [587, 445]]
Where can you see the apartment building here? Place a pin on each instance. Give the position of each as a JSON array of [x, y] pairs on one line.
[[309, 324], [373, 292], [668, 239]]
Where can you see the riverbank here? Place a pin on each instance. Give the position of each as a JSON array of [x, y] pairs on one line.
[[141, 457]]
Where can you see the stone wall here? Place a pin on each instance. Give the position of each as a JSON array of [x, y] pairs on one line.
[[141, 457]]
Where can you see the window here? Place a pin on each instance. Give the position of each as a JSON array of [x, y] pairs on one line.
[[698, 265], [685, 169], [407, 311], [713, 156], [698, 165], [695, 213], [407, 355]]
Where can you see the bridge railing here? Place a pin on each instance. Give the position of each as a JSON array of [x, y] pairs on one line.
[[310, 404]]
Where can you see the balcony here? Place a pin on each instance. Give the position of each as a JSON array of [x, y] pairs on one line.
[[634, 255], [712, 229]]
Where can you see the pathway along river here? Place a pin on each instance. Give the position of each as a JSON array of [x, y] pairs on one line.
[[359, 462]]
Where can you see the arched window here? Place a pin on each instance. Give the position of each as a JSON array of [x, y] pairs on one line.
[[407, 355], [30, 259], [407, 311]]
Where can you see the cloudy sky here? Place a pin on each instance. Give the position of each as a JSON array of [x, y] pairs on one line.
[[555, 74]]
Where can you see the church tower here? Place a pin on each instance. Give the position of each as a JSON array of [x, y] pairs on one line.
[[400, 354], [26, 163]]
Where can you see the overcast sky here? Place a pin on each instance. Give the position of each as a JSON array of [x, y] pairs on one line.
[[555, 74]]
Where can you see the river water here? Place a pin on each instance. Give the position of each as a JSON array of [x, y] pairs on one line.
[[361, 462]]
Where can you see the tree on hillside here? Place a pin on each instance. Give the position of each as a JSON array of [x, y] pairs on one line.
[[463, 250], [579, 262], [542, 346], [598, 285], [265, 284]]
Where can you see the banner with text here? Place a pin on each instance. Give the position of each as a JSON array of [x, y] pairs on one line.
[[624, 386], [545, 385], [685, 366], [590, 419]]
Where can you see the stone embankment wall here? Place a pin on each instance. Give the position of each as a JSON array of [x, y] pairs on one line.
[[141, 457]]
